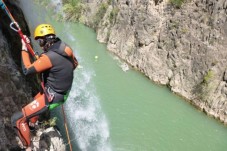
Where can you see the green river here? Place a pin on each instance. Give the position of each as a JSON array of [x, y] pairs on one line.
[[113, 110]]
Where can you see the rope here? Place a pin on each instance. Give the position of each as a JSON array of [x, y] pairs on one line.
[[66, 128], [17, 29]]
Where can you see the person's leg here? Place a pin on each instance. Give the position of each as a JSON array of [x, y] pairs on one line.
[[35, 118], [19, 123], [20, 119]]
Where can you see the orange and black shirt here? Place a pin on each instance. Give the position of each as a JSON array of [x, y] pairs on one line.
[[56, 65]]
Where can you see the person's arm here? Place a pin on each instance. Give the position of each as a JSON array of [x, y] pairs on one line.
[[41, 64], [69, 52], [75, 62]]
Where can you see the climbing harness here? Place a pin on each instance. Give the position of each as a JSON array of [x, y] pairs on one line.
[[15, 26]]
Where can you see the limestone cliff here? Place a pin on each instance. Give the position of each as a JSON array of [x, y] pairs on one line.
[[181, 46], [17, 90]]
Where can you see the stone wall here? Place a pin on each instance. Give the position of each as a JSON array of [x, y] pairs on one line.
[[14, 90], [183, 48]]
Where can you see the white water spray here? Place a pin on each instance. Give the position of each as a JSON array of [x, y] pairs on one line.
[[85, 117], [87, 121]]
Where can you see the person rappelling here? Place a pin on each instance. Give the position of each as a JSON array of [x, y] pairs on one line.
[[56, 65]]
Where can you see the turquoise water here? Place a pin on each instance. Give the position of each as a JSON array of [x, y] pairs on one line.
[[113, 110]]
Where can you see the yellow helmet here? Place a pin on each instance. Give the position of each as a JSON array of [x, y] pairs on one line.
[[43, 30]]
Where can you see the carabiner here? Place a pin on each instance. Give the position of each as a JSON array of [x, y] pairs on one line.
[[13, 28]]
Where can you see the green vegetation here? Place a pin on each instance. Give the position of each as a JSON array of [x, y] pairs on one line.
[[184, 30], [109, 2], [42, 2], [72, 10], [100, 13], [177, 3], [113, 15], [174, 25], [207, 85], [51, 122], [207, 78]]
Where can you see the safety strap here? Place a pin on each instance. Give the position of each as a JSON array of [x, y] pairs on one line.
[[60, 102]]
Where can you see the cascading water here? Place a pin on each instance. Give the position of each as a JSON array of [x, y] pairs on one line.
[[89, 124], [87, 121], [85, 117]]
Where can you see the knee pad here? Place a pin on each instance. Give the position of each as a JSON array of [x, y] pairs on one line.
[[16, 116], [19, 122]]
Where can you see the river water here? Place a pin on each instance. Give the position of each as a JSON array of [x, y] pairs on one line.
[[114, 110]]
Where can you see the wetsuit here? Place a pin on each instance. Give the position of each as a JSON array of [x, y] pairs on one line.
[[56, 66]]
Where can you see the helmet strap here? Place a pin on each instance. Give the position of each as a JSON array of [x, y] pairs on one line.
[[48, 41], [42, 42]]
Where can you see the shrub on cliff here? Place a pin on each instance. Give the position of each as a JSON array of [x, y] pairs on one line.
[[113, 15], [100, 14], [72, 10], [176, 3]]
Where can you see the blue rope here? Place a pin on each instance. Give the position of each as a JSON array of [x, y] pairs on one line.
[[2, 5]]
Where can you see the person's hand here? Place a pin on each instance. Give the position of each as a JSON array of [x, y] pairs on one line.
[[24, 47]]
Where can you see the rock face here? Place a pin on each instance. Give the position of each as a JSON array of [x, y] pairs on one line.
[[16, 90], [48, 139], [13, 90], [183, 47]]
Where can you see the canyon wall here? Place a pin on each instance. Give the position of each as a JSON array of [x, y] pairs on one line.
[[182, 46]]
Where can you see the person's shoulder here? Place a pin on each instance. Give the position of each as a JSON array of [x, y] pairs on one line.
[[64, 43], [44, 54], [47, 54]]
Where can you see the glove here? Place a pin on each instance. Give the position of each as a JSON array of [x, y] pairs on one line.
[[24, 47]]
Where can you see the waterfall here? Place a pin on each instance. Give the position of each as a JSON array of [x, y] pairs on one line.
[[85, 117], [88, 123]]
